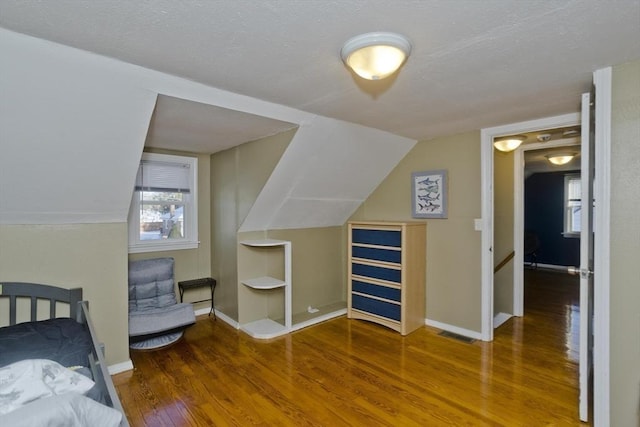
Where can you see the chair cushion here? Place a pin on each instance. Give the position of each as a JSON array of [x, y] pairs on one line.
[[157, 320], [151, 284], [153, 309]]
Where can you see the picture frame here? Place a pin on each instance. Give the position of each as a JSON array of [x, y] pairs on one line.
[[429, 194]]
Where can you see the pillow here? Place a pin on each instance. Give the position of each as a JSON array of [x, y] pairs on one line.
[[68, 410], [27, 380]]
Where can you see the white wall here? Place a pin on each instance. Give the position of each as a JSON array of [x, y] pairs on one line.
[[72, 130]]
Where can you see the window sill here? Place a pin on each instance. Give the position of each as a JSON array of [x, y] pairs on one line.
[[163, 246]]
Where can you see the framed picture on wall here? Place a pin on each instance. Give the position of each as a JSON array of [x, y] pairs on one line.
[[429, 194]]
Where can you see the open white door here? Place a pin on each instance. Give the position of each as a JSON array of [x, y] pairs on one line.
[[586, 251]]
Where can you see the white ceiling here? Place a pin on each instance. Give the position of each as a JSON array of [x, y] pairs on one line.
[[474, 63], [184, 125]]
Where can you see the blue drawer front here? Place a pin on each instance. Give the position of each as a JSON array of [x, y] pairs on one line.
[[381, 308], [376, 254], [381, 273], [377, 237], [375, 290]]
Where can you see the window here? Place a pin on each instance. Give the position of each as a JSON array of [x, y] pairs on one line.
[[163, 212], [572, 205]]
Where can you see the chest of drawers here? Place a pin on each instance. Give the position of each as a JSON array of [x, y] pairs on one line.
[[387, 273]]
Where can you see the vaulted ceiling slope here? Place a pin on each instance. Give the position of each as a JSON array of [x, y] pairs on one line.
[[474, 63], [73, 126]]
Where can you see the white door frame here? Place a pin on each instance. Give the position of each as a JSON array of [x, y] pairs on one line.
[[602, 193], [487, 136]]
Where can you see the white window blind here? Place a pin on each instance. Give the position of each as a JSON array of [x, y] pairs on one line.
[[163, 177], [164, 207]]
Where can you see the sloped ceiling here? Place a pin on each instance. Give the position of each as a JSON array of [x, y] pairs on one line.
[[474, 64], [269, 65], [328, 170], [179, 124], [74, 124]]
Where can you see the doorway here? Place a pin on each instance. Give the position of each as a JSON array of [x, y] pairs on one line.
[[487, 175], [530, 158], [602, 193]]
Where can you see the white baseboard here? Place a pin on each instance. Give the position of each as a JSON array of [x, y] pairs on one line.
[[120, 367], [454, 329], [500, 318], [295, 327], [228, 320], [202, 311], [318, 319], [219, 315]]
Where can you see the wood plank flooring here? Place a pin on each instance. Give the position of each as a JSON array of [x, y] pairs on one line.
[[353, 373]]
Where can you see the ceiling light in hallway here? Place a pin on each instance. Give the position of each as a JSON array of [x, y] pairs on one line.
[[509, 143]]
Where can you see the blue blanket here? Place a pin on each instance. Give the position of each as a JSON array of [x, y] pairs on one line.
[[63, 340]]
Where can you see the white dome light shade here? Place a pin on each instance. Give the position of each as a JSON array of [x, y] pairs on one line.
[[560, 158], [509, 144], [374, 56]]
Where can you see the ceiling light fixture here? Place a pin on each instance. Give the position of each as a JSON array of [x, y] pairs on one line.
[[374, 56], [509, 143], [560, 158]]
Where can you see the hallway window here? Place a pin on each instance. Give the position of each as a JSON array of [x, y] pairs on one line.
[[572, 205], [163, 212]]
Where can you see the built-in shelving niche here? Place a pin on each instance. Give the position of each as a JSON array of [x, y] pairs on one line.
[[265, 291]]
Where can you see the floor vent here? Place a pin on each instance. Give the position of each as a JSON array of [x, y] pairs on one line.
[[457, 337]]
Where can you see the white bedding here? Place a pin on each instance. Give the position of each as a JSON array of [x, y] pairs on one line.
[[40, 392], [65, 410]]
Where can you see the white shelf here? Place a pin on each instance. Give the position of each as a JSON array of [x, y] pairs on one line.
[[264, 242], [265, 282], [265, 329]]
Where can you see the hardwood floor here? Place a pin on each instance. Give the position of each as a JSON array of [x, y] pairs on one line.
[[349, 372]]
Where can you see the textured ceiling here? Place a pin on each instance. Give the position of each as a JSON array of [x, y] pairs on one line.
[[178, 124], [474, 63]]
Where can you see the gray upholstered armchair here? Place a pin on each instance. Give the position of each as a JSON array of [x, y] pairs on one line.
[[156, 319]]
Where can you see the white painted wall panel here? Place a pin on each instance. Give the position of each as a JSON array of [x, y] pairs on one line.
[[329, 168], [72, 132]]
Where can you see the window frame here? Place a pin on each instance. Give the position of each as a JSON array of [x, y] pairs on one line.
[[566, 209], [190, 210]]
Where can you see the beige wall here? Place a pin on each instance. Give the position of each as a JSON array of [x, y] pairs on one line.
[[503, 214], [237, 177], [625, 246], [317, 270], [192, 263], [318, 266], [453, 246], [258, 262], [91, 256]]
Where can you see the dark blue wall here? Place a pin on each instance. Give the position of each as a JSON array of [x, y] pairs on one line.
[[544, 215]]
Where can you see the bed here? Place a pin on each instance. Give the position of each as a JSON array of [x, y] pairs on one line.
[[53, 370]]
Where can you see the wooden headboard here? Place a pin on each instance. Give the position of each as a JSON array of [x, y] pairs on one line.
[[35, 292]]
